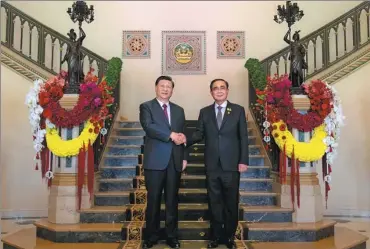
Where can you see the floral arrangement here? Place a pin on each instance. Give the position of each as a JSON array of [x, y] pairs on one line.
[[47, 116], [324, 118]]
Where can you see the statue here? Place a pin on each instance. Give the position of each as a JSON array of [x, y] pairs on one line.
[[296, 57], [74, 58]]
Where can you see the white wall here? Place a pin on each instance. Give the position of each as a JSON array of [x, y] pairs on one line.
[[104, 36], [350, 194], [23, 193]]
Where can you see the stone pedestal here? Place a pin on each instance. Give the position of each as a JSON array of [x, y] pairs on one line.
[[311, 202], [63, 203]]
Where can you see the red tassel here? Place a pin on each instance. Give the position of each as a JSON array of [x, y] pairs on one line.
[[37, 156], [292, 176], [325, 173], [90, 170], [298, 185], [284, 164], [47, 165], [80, 174], [281, 170], [37, 166]]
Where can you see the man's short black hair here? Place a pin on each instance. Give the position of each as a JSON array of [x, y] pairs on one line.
[[163, 77], [213, 81]]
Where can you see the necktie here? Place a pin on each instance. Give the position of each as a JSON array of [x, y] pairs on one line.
[[165, 111], [219, 116]]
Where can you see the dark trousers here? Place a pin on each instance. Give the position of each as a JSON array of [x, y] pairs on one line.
[[155, 182], [223, 200]]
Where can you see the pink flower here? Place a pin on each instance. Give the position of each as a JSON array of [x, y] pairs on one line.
[[97, 102]]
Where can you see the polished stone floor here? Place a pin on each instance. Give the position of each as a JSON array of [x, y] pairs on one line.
[[360, 225]]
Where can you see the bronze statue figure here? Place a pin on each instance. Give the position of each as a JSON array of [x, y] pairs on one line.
[[296, 57], [74, 58]]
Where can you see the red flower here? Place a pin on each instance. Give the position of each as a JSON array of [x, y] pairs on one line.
[[279, 104]]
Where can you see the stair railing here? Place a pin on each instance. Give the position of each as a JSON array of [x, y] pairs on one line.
[[325, 47], [46, 48]]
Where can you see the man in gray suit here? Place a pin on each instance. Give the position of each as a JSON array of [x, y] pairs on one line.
[[223, 127], [164, 160]]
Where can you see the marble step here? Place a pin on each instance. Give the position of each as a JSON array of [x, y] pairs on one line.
[[252, 214], [104, 214], [187, 230], [199, 148], [118, 150], [80, 233], [290, 231], [194, 212], [254, 171], [120, 214], [129, 132], [119, 183], [113, 232], [117, 172], [126, 140], [138, 196], [128, 124], [125, 160], [257, 160], [344, 239]]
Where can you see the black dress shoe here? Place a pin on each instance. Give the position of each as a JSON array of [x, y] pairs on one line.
[[173, 243], [213, 243], [149, 244], [231, 244]]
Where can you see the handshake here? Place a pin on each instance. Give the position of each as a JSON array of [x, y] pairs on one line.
[[178, 138]]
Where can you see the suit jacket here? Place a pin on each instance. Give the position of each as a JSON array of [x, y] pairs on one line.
[[158, 146], [229, 144]]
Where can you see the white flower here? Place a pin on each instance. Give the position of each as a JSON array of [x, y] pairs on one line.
[[35, 111], [333, 122]]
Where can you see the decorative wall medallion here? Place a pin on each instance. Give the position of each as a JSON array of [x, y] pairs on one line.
[[136, 44], [230, 44], [183, 52]]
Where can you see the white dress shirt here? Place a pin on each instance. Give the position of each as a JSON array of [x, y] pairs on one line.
[[223, 105]]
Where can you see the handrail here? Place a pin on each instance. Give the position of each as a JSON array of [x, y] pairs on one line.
[[43, 32]]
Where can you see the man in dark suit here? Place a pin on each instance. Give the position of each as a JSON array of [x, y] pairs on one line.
[[223, 127], [164, 160]]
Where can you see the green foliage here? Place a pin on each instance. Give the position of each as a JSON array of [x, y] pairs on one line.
[[257, 75], [113, 71]]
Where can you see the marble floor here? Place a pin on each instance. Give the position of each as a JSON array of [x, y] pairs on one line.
[[361, 225]]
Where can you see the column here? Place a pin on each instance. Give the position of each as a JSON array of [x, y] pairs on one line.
[[311, 200], [63, 205]]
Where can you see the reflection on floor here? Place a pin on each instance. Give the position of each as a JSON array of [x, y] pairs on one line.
[[359, 225]]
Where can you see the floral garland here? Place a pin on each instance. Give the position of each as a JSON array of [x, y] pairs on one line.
[[324, 117], [46, 117], [280, 104], [45, 110]]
